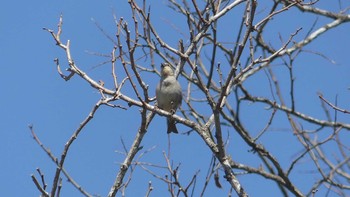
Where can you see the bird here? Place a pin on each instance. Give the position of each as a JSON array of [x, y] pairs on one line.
[[169, 94]]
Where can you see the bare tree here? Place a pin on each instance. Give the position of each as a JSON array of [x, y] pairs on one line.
[[217, 70]]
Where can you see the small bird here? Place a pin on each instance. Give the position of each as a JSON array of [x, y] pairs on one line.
[[169, 94]]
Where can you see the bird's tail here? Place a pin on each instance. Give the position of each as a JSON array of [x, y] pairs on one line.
[[171, 126]]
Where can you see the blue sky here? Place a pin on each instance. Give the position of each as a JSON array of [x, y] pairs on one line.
[[34, 93]]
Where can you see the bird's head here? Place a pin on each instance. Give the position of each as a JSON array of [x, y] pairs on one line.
[[166, 70]]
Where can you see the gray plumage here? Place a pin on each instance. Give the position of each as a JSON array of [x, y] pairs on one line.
[[169, 94]]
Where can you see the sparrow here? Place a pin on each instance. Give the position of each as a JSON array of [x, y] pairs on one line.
[[169, 94]]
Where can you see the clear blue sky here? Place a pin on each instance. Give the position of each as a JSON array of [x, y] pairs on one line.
[[32, 92]]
